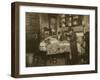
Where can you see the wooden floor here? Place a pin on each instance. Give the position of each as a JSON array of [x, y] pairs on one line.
[[33, 60], [47, 60]]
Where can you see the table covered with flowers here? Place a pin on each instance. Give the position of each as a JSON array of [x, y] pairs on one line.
[[53, 46]]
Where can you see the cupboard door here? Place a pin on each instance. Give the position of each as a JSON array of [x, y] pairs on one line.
[[32, 32]]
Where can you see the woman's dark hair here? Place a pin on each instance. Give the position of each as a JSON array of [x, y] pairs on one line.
[[58, 32], [46, 29]]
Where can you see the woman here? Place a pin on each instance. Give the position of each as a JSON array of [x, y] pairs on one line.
[[73, 45]]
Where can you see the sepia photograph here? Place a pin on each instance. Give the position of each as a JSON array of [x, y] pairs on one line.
[[53, 39], [56, 39]]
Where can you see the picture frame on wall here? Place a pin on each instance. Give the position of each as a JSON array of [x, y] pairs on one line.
[[53, 39]]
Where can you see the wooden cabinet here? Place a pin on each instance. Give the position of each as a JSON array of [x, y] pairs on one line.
[[32, 32]]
